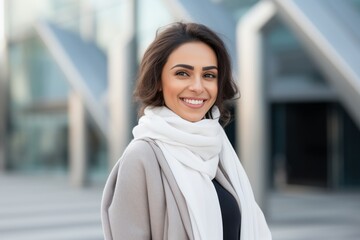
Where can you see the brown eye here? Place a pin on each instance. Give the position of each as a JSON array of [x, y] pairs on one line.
[[210, 75], [182, 74]]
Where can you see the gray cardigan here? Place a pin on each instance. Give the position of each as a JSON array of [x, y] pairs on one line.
[[141, 199]]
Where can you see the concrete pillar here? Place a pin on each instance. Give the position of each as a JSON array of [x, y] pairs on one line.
[[77, 140], [252, 111], [122, 73], [3, 87]]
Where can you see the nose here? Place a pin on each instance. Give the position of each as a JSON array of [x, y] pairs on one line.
[[196, 85]]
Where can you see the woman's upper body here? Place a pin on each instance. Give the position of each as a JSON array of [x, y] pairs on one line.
[[184, 81], [141, 199], [148, 189]]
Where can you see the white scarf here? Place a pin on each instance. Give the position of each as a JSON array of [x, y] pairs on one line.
[[193, 152]]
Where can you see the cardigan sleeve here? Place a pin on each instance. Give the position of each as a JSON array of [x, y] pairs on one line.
[[125, 203]]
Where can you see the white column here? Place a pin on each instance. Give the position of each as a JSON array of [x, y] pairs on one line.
[[122, 64], [77, 140], [3, 86], [252, 112]]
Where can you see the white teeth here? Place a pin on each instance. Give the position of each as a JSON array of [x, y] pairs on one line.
[[193, 101]]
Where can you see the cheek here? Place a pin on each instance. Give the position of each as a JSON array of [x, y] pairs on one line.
[[168, 90], [214, 90], [163, 86], [214, 94]]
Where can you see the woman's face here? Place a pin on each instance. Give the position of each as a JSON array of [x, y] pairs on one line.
[[189, 80]]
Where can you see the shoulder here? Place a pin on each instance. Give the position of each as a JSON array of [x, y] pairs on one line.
[[125, 203], [138, 149], [138, 156]]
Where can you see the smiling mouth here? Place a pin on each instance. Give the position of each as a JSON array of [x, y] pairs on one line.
[[193, 101]]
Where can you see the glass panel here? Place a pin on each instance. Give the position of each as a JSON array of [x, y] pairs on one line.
[[237, 7], [351, 151], [288, 61], [356, 3], [39, 142], [97, 155], [38, 95], [34, 74]]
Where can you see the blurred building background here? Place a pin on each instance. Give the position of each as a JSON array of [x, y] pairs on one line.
[[67, 70], [63, 58]]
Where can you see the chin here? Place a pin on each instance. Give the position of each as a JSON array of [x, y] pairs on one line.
[[192, 118]]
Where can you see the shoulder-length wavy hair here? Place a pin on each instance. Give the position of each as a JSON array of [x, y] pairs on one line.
[[166, 41]]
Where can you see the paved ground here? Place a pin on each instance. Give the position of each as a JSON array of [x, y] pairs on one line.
[[46, 208], [315, 215]]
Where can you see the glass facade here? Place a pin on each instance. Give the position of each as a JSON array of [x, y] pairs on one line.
[[38, 111]]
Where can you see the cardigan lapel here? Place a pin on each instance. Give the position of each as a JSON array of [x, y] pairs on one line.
[[179, 198]]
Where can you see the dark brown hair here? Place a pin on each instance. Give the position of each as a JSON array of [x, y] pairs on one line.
[[166, 41]]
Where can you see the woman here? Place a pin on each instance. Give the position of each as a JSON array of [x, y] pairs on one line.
[[180, 178]]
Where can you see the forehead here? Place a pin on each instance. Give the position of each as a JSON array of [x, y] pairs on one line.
[[193, 53]]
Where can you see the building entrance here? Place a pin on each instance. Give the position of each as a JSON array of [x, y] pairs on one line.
[[306, 144]]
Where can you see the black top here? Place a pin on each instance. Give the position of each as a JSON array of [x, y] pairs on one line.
[[230, 212]]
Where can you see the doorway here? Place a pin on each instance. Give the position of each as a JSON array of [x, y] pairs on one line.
[[306, 144]]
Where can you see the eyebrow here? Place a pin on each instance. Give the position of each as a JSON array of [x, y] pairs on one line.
[[209, 68], [192, 68]]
